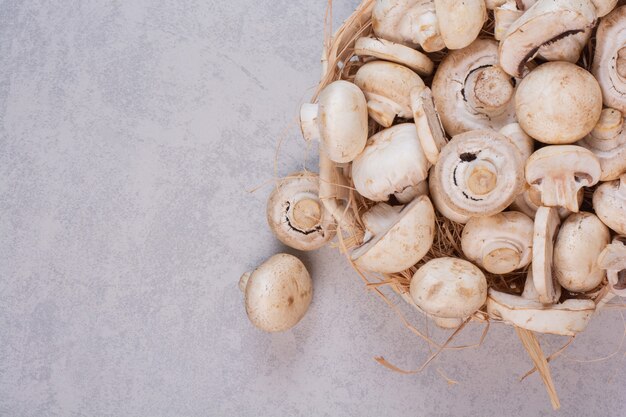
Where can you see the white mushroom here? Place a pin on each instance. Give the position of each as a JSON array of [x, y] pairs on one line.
[[504, 15], [530, 200], [429, 128], [446, 211], [558, 103], [387, 87], [479, 173], [558, 172], [397, 237], [613, 260], [500, 243], [471, 91], [449, 288], [394, 52], [338, 120], [545, 229], [277, 293], [580, 240], [608, 142], [460, 22], [520, 139], [296, 215], [392, 163], [545, 23], [410, 22], [609, 61], [609, 203]]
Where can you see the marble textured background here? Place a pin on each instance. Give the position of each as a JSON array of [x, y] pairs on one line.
[[130, 134]]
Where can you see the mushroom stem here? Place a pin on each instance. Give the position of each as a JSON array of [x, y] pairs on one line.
[[308, 121], [243, 281], [501, 257], [488, 89], [306, 213], [560, 193], [382, 110], [481, 178]]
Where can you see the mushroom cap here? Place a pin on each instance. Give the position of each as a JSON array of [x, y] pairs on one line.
[[545, 229], [613, 260], [500, 243], [504, 15], [567, 49], [394, 52], [580, 240], [460, 22], [387, 87], [471, 91], [520, 139], [429, 128], [449, 288], [609, 203], [277, 293], [339, 120], [392, 161], [479, 172], [546, 22], [609, 61], [399, 237], [558, 172], [607, 141], [296, 215], [558, 103], [446, 211], [604, 7]]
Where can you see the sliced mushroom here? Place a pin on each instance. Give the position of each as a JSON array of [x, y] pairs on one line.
[[410, 22], [471, 91], [558, 172], [558, 103], [278, 293], [608, 142], [609, 61], [394, 52], [500, 243], [460, 22], [613, 260], [397, 237], [297, 216], [580, 240], [609, 203], [530, 200], [449, 288], [479, 173], [387, 87], [392, 163], [545, 229], [338, 120], [546, 22], [429, 128]]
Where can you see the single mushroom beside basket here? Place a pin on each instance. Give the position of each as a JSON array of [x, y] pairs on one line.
[[609, 203]]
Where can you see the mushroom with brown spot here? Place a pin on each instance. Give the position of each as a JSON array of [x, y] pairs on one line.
[[609, 203]]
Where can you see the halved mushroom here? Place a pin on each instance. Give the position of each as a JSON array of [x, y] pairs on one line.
[[608, 142], [500, 243], [394, 52], [580, 240], [397, 237], [460, 22], [609, 203], [392, 163], [558, 172], [479, 173], [545, 229], [410, 22], [471, 91], [609, 61], [543, 24], [530, 200], [387, 87], [449, 288], [278, 293], [567, 318], [558, 103], [296, 215], [429, 128], [613, 260]]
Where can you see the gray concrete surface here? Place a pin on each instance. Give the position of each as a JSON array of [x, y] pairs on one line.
[[130, 134]]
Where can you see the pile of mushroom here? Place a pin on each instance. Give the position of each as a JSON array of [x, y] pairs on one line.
[[512, 137]]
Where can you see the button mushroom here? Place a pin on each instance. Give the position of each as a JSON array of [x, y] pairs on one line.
[[545, 23], [609, 203], [387, 87], [397, 237], [545, 229], [338, 120], [558, 172], [446, 211], [609, 61], [558, 103], [449, 288], [471, 91], [429, 128], [296, 215], [394, 52], [392, 163], [479, 173], [460, 22], [277, 293], [608, 142], [500, 243], [520, 139], [530, 200], [580, 240], [613, 260]]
